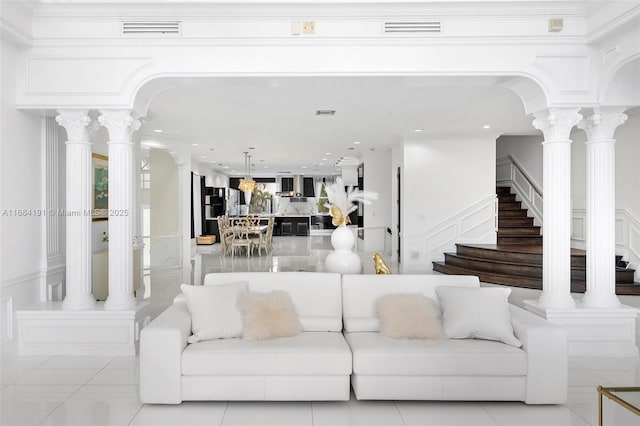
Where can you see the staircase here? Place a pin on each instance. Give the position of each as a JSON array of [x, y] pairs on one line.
[[517, 258]]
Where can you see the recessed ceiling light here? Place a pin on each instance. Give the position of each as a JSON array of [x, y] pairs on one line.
[[324, 159], [226, 167], [321, 164], [266, 167], [486, 126], [213, 161], [356, 143], [304, 167], [194, 144], [418, 131], [203, 156], [327, 153], [157, 130]]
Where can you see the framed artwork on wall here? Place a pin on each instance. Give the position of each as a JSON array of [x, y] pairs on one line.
[[100, 186]]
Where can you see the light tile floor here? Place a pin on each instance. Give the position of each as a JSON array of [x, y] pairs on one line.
[[104, 390]]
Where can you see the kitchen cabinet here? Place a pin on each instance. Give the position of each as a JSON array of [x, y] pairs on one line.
[[321, 221], [307, 187], [291, 225], [286, 184]]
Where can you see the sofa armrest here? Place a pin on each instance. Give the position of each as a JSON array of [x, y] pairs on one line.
[[547, 357], [161, 344]]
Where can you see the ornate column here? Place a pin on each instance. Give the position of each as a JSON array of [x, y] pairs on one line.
[[556, 125], [601, 190], [53, 267], [120, 125], [78, 204]]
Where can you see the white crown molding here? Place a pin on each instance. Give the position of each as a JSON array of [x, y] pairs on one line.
[[614, 25], [313, 8]]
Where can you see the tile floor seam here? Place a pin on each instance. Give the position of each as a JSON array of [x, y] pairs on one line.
[[488, 413], [59, 405], [404, 422], [226, 406], [135, 414]]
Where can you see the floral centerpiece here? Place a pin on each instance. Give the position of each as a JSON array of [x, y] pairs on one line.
[[342, 202]]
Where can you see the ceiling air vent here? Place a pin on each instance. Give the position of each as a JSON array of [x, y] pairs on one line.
[[412, 27], [151, 27]]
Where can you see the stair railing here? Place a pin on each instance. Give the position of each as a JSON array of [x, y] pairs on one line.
[[627, 236], [510, 173]]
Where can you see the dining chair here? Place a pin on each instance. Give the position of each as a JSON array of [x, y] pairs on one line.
[[241, 239]]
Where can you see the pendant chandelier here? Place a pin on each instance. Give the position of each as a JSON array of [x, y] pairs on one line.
[[247, 184]]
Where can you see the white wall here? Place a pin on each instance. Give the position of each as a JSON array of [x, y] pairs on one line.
[[443, 177], [527, 151], [164, 193], [448, 197], [20, 190], [378, 178]]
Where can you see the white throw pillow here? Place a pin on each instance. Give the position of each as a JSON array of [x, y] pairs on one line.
[[408, 316], [479, 313], [269, 316], [215, 313]]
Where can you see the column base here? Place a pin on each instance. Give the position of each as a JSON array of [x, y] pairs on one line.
[[594, 332], [49, 330]]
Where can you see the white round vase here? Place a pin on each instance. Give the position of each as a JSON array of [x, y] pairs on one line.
[[342, 259]]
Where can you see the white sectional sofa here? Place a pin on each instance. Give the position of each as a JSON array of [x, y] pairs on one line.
[[315, 365], [321, 363], [449, 369]]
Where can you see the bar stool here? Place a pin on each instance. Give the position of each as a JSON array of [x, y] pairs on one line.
[[286, 229]]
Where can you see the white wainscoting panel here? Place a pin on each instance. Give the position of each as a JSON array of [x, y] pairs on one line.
[[475, 224], [627, 235], [48, 330]]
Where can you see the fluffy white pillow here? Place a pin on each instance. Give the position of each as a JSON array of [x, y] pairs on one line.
[[215, 313], [408, 316], [479, 313], [268, 316]]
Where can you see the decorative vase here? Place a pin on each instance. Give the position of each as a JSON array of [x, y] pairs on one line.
[[247, 200], [342, 259]]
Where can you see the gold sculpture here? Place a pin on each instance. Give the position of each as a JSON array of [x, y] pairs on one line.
[[379, 265], [337, 218]]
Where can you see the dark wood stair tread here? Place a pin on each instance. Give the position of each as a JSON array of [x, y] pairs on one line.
[[525, 282]]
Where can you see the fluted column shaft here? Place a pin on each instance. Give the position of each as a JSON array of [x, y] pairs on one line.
[[556, 125], [78, 206], [120, 125], [600, 233]]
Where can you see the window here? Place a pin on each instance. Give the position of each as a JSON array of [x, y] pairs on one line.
[[145, 174]]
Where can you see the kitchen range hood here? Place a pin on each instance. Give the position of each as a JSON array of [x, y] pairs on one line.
[[297, 191]]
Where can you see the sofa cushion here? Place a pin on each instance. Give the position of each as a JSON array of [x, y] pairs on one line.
[[268, 315], [215, 313], [360, 292], [310, 353], [375, 354], [408, 316], [478, 313], [317, 296]]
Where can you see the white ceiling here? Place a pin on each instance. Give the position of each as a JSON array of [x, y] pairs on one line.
[[277, 117]]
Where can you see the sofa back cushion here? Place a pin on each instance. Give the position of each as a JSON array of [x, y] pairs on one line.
[[360, 293], [316, 296]]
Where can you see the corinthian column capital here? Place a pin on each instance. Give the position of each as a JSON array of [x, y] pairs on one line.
[[78, 124], [556, 123], [120, 125], [602, 125]]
